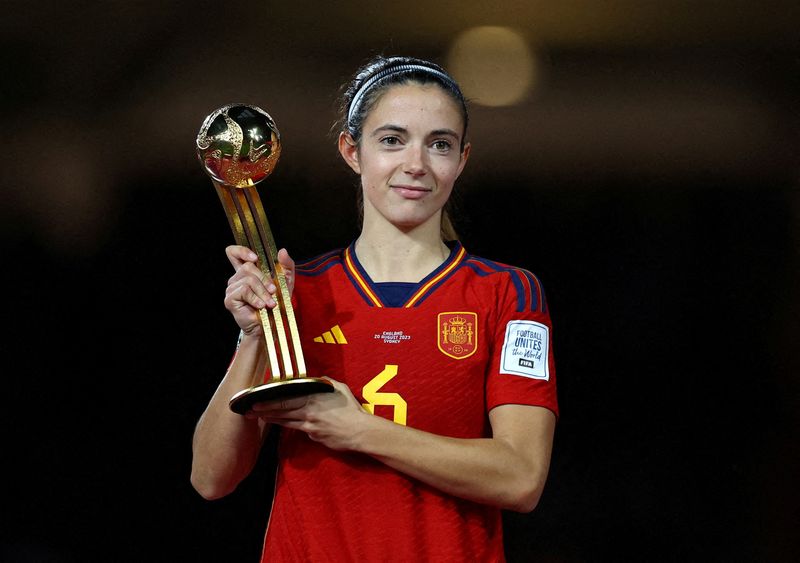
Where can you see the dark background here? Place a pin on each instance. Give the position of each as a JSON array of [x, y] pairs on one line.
[[650, 180]]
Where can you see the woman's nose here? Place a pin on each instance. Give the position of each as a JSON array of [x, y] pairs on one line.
[[416, 161]]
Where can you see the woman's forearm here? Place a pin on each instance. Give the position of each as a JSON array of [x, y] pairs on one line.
[[225, 445], [508, 470]]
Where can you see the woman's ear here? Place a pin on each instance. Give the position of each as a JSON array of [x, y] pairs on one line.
[[349, 151], [464, 157]]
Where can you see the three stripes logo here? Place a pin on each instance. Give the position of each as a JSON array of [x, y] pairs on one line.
[[332, 336]]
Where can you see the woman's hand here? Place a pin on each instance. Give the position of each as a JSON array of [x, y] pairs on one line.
[[333, 419], [249, 289]]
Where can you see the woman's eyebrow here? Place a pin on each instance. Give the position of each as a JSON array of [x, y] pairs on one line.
[[444, 132], [389, 127], [399, 129]]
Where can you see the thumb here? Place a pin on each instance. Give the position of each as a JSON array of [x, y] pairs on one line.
[[287, 265], [285, 260]]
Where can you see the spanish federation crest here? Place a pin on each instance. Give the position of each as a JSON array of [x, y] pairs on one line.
[[458, 334]]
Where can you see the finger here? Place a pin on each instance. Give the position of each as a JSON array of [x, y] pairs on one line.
[[253, 298], [285, 260], [341, 389], [248, 292], [280, 405], [259, 277], [239, 255], [268, 283], [246, 271], [287, 267], [338, 385], [260, 281], [292, 403]]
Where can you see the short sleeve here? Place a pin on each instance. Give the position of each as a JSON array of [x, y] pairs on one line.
[[522, 366]]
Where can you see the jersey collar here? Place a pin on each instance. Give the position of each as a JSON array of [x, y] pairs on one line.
[[366, 287]]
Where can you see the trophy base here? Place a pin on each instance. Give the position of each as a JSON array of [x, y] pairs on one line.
[[241, 402]]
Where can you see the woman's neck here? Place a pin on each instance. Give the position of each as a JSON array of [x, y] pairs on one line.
[[399, 256]]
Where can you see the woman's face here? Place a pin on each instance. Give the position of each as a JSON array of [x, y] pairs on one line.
[[409, 156]]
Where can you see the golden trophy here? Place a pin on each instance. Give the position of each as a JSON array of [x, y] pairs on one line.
[[238, 146]]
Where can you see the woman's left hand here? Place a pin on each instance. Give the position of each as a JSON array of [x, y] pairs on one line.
[[333, 419]]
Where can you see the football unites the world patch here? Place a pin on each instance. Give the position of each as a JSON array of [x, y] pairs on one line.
[[458, 334], [525, 350]]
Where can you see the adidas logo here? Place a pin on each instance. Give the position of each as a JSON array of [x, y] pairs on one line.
[[333, 336]]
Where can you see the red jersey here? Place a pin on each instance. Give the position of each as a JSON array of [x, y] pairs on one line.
[[472, 335]]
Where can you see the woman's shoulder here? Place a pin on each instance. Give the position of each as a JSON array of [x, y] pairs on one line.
[[488, 267], [319, 263], [517, 281]]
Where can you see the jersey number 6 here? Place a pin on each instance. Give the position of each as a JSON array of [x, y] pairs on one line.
[[373, 396]]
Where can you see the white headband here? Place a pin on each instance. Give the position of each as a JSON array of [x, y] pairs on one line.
[[365, 87]]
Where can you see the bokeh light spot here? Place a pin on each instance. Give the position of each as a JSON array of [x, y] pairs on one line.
[[494, 65]]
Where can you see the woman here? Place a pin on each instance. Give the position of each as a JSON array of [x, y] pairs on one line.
[[444, 406]]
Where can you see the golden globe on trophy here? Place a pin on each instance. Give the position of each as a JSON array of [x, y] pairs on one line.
[[238, 146]]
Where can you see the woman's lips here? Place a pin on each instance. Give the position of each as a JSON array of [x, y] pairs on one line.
[[411, 192]]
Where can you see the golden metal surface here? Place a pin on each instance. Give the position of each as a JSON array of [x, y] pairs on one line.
[[238, 146]]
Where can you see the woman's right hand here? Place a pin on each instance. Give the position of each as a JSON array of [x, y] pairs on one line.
[[249, 289]]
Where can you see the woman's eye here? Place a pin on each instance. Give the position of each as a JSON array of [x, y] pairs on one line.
[[390, 141], [442, 146]]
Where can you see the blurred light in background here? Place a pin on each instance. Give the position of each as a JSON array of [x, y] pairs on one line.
[[495, 65]]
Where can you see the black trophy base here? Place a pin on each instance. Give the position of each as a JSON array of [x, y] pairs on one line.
[[241, 402]]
